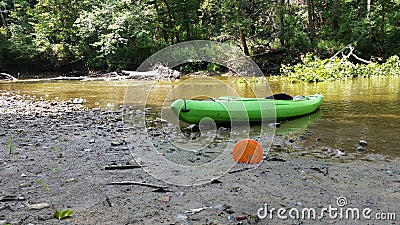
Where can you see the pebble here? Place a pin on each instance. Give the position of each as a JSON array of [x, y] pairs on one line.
[[299, 204], [241, 217], [45, 217], [222, 207], [116, 143], [39, 206], [340, 153], [274, 125], [360, 148], [180, 217], [363, 143], [390, 173]]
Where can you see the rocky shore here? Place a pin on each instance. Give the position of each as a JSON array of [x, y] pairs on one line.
[[57, 156]]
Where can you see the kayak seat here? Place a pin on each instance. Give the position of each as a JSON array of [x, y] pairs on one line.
[[281, 96]]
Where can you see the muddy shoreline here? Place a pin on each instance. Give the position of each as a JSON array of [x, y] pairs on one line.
[[61, 155]]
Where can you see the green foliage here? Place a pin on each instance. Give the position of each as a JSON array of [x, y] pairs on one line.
[[120, 34], [63, 214], [197, 66], [111, 31], [312, 69]]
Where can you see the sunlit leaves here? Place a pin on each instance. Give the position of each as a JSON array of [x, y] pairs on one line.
[[110, 26], [63, 214], [312, 69]]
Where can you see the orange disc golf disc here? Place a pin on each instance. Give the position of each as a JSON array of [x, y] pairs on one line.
[[248, 151]]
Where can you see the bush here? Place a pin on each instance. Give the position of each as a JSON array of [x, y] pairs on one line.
[[312, 69]]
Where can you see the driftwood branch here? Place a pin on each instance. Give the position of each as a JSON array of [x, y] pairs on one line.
[[159, 72], [137, 183], [362, 60], [351, 48], [122, 167], [8, 76]]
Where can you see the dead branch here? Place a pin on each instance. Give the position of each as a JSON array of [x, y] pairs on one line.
[[8, 76], [122, 167], [137, 183]]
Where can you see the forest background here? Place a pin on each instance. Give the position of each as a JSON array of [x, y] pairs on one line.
[[81, 36]]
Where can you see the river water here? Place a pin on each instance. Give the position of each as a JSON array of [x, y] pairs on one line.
[[354, 109]]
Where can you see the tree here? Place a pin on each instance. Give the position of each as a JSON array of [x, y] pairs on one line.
[[311, 24], [110, 32]]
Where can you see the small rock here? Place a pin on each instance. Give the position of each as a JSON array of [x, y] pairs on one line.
[[299, 204], [180, 217], [390, 173], [191, 126], [363, 143], [39, 206], [360, 148], [274, 125], [45, 217], [116, 143], [165, 199], [222, 207], [92, 141], [241, 217], [78, 101], [318, 139], [222, 129], [340, 153]]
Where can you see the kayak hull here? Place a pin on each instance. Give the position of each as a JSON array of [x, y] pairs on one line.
[[229, 109]]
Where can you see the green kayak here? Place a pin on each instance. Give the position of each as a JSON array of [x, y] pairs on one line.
[[228, 109]]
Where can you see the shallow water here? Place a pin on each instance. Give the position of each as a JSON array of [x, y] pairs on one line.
[[355, 109]]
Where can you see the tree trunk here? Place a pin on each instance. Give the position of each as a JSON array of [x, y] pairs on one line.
[[282, 22], [311, 25], [243, 41], [170, 22], [160, 20], [335, 15], [383, 21], [186, 20], [368, 7]]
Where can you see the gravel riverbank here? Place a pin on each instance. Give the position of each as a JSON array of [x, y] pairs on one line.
[[59, 155]]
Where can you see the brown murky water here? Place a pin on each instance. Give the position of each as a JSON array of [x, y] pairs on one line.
[[354, 109]]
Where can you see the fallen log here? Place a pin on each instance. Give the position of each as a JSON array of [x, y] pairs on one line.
[[137, 74], [68, 78]]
